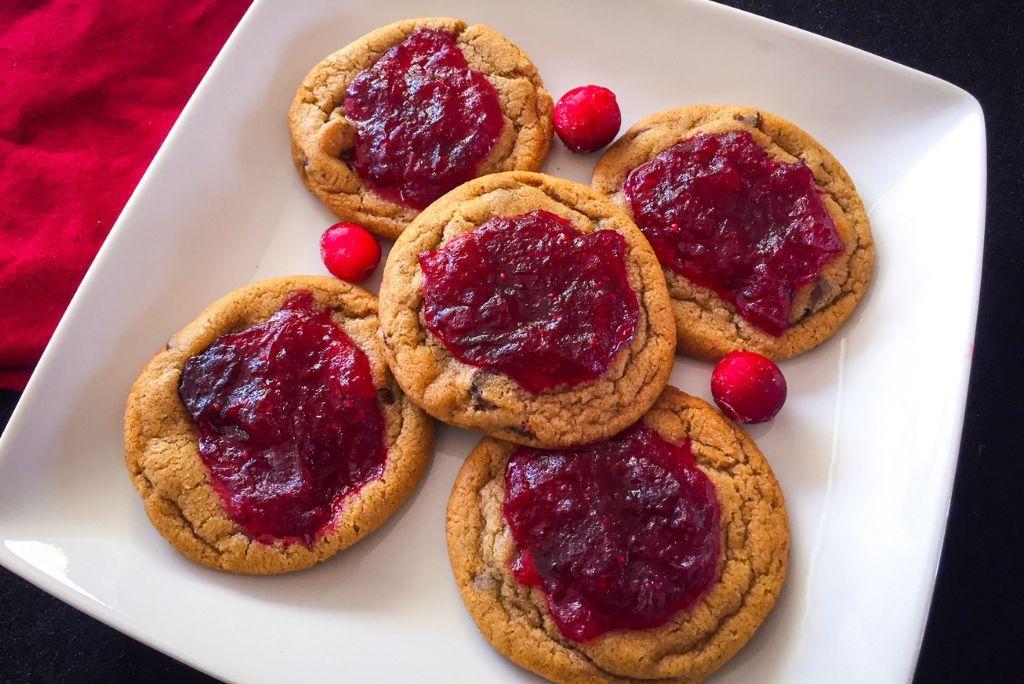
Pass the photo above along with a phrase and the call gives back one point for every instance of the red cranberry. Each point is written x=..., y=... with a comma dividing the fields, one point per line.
x=587, y=118
x=349, y=251
x=748, y=387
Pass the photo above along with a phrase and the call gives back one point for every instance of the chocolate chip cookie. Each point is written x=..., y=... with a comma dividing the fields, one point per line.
x=530, y=308
x=397, y=118
x=654, y=555
x=764, y=240
x=270, y=434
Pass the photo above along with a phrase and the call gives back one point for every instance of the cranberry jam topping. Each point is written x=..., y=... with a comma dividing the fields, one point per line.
x=288, y=421
x=424, y=120
x=720, y=211
x=622, y=534
x=531, y=297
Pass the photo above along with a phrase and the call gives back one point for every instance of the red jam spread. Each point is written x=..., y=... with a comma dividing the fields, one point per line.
x=622, y=534
x=288, y=421
x=531, y=297
x=720, y=211
x=424, y=120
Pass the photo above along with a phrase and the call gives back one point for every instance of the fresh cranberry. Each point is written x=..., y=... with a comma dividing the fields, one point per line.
x=719, y=210
x=288, y=421
x=424, y=120
x=533, y=298
x=587, y=118
x=349, y=251
x=621, y=534
x=748, y=387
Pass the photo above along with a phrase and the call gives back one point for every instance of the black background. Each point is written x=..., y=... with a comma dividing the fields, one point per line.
x=974, y=633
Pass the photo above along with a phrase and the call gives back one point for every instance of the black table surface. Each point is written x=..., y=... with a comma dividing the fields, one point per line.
x=973, y=632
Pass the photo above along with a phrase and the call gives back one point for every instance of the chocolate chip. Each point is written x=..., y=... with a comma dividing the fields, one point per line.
x=753, y=120
x=385, y=396
x=476, y=397
x=821, y=294
x=523, y=431
x=485, y=583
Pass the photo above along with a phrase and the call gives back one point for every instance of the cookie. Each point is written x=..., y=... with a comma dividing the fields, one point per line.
x=411, y=110
x=270, y=434
x=779, y=318
x=526, y=615
x=530, y=308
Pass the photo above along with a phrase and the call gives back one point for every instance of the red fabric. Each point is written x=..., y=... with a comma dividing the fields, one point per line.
x=88, y=91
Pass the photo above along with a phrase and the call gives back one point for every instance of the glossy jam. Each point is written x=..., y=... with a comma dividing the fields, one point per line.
x=288, y=421
x=531, y=297
x=425, y=121
x=622, y=534
x=720, y=211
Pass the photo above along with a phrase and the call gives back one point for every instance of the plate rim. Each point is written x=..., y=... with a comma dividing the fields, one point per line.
x=132, y=627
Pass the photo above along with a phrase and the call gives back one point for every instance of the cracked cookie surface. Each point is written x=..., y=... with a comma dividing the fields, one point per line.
x=708, y=326
x=322, y=136
x=161, y=441
x=752, y=567
x=474, y=398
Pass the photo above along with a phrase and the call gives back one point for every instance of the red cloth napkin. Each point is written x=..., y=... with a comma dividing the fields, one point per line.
x=88, y=91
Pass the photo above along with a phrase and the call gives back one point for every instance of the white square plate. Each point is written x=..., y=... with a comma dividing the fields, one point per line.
x=865, y=448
